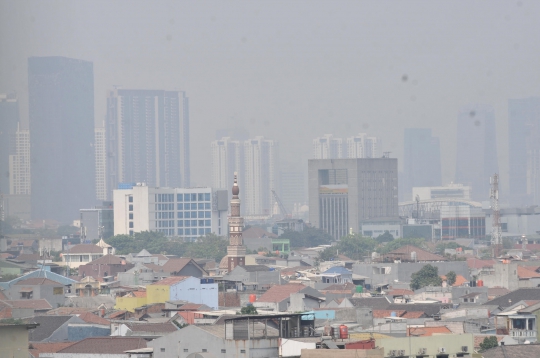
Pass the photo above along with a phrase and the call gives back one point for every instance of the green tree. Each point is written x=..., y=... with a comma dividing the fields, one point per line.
x=354, y=246
x=488, y=342
x=386, y=237
x=309, y=237
x=153, y=241
x=397, y=243
x=328, y=254
x=427, y=276
x=209, y=246
x=249, y=309
x=450, y=278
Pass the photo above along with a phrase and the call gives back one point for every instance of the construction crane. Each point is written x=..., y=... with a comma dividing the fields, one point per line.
x=280, y=204
x=496, y=235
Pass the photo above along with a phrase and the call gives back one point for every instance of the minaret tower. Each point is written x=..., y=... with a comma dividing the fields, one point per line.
x=236, y=251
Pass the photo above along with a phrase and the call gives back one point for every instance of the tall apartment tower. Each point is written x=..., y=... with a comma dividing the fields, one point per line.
x=328, y=147
x=9, y=121
x=147, y=138
x=236, y=251
x=345, y=193
x=422, y=160
x=61, y=117
x=101, y=163
x=476, y=159
x=19, y=164
x=524, y=151
x=362, y=146
x=227, y=159
x=260, y=175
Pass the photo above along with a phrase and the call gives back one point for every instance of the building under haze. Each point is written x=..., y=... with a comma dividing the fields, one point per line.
x=19, y=164
x=9, y=122
x=358, y=146
x=261, y=168
x=61, y=118
x=293, y=191
x=186, y=213
x=147, y=138
x=476, y=159
x=348, y=193
x=227, y=159
x=101, y=163
x=524, y=151
x=421, y=161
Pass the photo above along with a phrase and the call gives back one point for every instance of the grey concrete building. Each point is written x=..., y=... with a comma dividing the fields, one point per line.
x=37, y=288
x=345, y=193
x=98, y=222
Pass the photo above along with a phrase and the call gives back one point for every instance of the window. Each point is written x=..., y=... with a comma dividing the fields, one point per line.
x=207, y=214
x=180, y=207
x=207, y=196
x=58, y=290
x=201, y=231
x=193, y=206
x=130, y=216
x=242, y=351
x=193, y=197
x=180, y=223
x=200, y=206
x=131, y=224
x=180, y=197
x=187, y=223
x=204, y=350
x=207, y=223
x=193, y=223
x=185, y=350
x=162, y=349
x=180, y=215
x=186, y=197
x=207, y=206
x=201, y=214
x=187, y=214
x=201, y=197
x=207, y=230
x=193, y=231
x=130, y=199
x=130, y=232
x=180, y=231
x=201, y=222
x=223, y=351
x=130, y=207
x=186, y=206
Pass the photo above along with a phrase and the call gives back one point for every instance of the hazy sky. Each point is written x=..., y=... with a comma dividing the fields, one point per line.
x=293, y=70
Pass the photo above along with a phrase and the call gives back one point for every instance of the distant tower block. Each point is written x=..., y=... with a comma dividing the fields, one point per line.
x=496, y=236
x=236, y=251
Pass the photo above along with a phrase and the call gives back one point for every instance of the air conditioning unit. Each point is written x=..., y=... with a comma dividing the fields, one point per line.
x=401, y=353
x=422, y=351
x=464, y=349
x=392, y=353
x=442, y=350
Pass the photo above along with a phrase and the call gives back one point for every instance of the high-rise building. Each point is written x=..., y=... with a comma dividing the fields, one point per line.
x=348, y=193
x=362, y=146
x=9, y=120
x=328, y=147
x=524, y=151
x=260, y=175
x=148, y=138
x=293, y=190
x=422, y=160
x=61, y=117
x=188, y=213
x=101, y=163
x=476, y=159
x=227, y=159
x=19, y=164
x=236, y=251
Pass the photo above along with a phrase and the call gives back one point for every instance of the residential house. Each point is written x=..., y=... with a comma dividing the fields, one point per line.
x=108, y=265
x=142, y=329
x=410, y=253
x=14, y=340
x=35, y=349
x=37, y=288
x=522, y=294
x=51, y=328
x=510, y=275
x=139, y=275
x=36, y=306
x=440, y=345
x=337, y=274
x=111, y=347
x=278, y=298
x=82, y=254
x=251, y=277
x=178, y=267
x=513, y=351
x=189, y=289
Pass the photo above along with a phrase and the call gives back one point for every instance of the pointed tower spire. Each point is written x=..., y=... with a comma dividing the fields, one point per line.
x=236, y=251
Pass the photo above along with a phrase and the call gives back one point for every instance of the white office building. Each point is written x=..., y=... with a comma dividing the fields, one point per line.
x=260, y=175
x=227, y=158
x=19, y=164
x=328, y=147
x=101, y=163
x=358, y=146
x=182, y=212
x=362, y=146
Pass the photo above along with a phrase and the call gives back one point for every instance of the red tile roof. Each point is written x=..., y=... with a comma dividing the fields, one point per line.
x=105, y=345
x=116, y=314
x=399, y=292
x=63, y=311
x=107, y=260
x=387, y=313
x=170, y=280
x=414, y=314
x=85, y=249
x=40, y=304
x=421, y=255
x=92, y=318
x=280, y=292
x=460, y=280
x=139, y=293
x=190, y=307
x=34, y=281
x=475, y=263
x=427, y=331
x=174, y=265
x=525, y=273
x=36, y=348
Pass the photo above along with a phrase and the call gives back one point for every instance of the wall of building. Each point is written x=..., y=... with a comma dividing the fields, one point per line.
x=157, y=294
x=14, y=341
x=77, y=332
x=343, y=353
x=129, y=303
x=292, y=348
x=451, y=342
x=192, y=290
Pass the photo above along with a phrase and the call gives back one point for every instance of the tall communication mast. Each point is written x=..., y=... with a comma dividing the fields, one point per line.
x=496, y=236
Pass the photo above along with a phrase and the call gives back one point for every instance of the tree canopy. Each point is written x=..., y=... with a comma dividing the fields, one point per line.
x=249, y=309
x=308, y=238
x=427, y=276
x=397, y=243
x=489, y=342
x=386, y=237
x=451, y=278
x=354, y=246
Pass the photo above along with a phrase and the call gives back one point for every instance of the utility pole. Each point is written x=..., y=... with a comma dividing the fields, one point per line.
x=496, y=236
